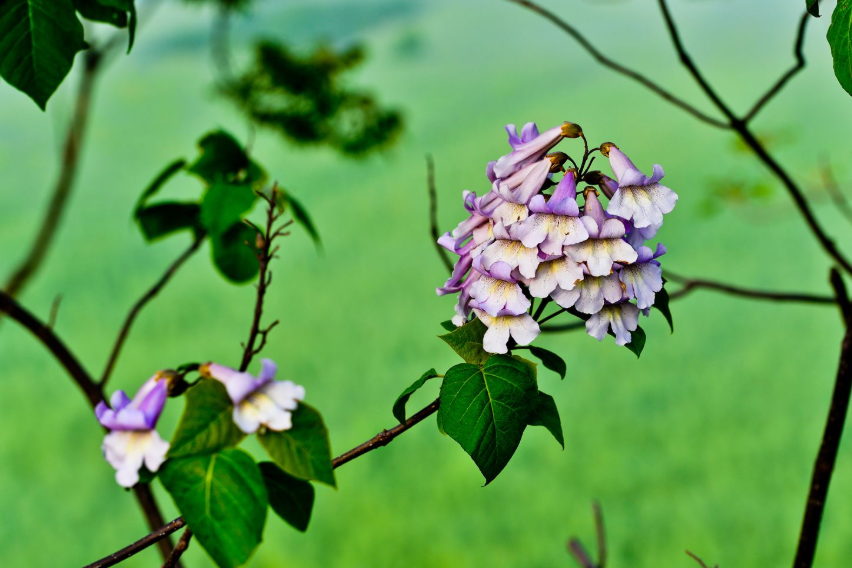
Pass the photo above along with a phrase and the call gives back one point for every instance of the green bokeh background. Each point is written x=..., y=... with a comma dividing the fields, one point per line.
x=706, y=443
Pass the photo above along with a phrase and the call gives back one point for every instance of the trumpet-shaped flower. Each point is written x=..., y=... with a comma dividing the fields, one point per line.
x=497, y=291
x=556, y=222
x=522, y=328
x=621, y=318
x=507, y=248
x=524, y=153
x=643, y=279
x=639, y=198
x=132, y=440
x=561, y=271
x=590, y=294
x=605, y=245
x=258, y=401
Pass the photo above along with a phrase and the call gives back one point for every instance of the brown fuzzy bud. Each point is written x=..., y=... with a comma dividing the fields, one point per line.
x=605, y=148
x=571, y=130
x=556, y=161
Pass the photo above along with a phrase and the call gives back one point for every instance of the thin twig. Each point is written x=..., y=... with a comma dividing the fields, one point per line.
x=433, y=213
x=579, y=552
x=698, y=559
x=137, y=307
x=383, y=438
x=179, y=549
x=827, y=455
x=617, y=67
x=798, y=53
x=833, y=188
x=54, y=311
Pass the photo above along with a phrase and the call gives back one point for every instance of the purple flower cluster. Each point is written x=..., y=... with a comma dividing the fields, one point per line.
x=522, y=241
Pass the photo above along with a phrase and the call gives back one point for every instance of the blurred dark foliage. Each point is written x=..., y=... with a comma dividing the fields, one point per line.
x=302, y=97
x=236, y=5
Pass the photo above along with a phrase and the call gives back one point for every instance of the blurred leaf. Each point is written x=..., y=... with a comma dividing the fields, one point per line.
x=485, y=409
x=303, y=451
x=223, y=499
x=812, y=6
x=292, y=499
x=300, y=215
x=302, y=98
x=97, y=12
x=661, y=302
x=448, y=325
x=234, y=253
x=130, y=7
x=546, y=414
x=637, y=341
x=207, y=424
x=402, y=399
x=163, y=219
x=467, y=341
x=224, y=205
x=158, y=182
x=223, y=159
x=38, y=41
x=550, y=360
x=840, y=40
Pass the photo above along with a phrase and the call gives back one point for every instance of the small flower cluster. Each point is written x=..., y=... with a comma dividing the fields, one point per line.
x=132, y=440
x=520, y=242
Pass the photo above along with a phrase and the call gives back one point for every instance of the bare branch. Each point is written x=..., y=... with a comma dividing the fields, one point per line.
x=617, y=67
x=833, y=188
x=142, y=302
x=698, y=559
x=798, y=53
x=827, y=455
x=140, y=545
x=54, y=311
x=579, y=552
x=179, y=549
x=433, y=213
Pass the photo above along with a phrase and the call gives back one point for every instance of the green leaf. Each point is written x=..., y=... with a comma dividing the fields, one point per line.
x=637, y=341
x=303, y=451
x=485, y=409
x=550, y=360
x=234, y=253
x=223, y=499
x=399, y=405
x=38, y=41
x=207, y=424
x=222, y=158
x=155, y=186
x=163, y=219
x=812, y=6
x=546, y=414
x=97, y=12
x=448, y=325
x=661, y=302
x=300, y=215
x=130, y=7
x=224, y=205
x=467, y=341
x=840, y=40
x=292, y=499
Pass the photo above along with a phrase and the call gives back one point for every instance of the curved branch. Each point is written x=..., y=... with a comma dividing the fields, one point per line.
x=433, y=213
x=137, y=307
x=798, y=53
x=139, y=545
x=617, y=67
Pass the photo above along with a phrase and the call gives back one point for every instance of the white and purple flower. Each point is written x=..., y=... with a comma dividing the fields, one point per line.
x=555, y=222
x=258, y=401
x=132, y=441
x=620, y=318
x=605, y=245
x=638, y=198
x=522, y=328
x=644, y=278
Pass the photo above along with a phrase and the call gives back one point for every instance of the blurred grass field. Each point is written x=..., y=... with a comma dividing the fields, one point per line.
x=705, y=443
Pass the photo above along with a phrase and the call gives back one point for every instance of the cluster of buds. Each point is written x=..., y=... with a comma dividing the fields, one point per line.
x=523, y=241
x=132, y=440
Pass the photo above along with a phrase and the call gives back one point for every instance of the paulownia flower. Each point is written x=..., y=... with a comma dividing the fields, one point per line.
x=528, y=151
x=590, y=294
x=132, y=440
x=621, y=318
x=639, y=198
x=643, y=279
x=497, y=291
x=605, y=244
x=258, y=401
x=556, y=222
x=507, y=248
x=552, y=272
x=522, y=328
x=516, y=191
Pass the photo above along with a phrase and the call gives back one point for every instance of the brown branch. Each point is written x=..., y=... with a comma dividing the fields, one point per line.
x=827, y=455
x=179, y=549
x=137, y=307
x=698, y=559
x=833, y=188
x=617, y=67
x=157, y=536
x=798, y=53
x=579, y=552
x=433, y=213
x=383, y=438
x=92, y=391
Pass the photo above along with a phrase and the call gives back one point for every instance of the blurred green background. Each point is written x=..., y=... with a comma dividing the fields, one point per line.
x=706, y=443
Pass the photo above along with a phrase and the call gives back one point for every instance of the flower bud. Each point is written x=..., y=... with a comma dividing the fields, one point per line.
x=594, y=177
x=556, y=160
x=605, y=148
x=571, y=130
